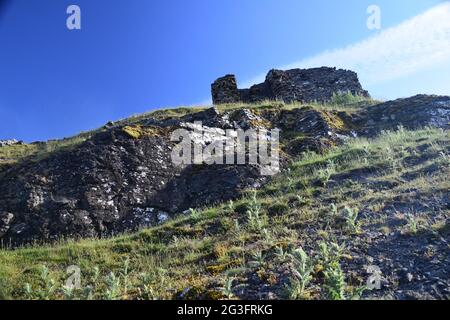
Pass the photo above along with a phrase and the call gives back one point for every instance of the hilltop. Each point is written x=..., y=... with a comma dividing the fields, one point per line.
x=363, y=194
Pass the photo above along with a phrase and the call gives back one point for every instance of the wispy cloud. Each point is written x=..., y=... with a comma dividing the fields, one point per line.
x=418, y=44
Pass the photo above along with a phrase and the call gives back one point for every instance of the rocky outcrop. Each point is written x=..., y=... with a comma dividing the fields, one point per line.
x=4, y=143
x=112, y=183
x=414, y=112
x=123, y=178
x=303, y=85
x=225, y=90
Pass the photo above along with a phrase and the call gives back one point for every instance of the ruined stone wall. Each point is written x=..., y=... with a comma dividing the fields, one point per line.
x=303, y=85
x=225, y=90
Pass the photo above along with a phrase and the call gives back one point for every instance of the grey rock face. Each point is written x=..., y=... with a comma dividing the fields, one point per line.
x=225, y=90
x=303, y=85
x=109, y=184
x=414, y=112
x=115, y=182
x=4, y=143
x=245, y=119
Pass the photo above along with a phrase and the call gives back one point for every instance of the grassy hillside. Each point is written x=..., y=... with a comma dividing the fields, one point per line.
x=36, y=151
x=309, y=234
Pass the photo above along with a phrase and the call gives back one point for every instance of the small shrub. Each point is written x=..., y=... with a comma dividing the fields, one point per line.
x=267, y=237
x=324, y=176
x=68, y=292
x=290, y=183
x=221, y=251
x=346, y=98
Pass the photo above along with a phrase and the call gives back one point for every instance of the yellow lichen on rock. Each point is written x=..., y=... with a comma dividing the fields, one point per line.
x=133, y=132
x=138, y=131
x=333, y=120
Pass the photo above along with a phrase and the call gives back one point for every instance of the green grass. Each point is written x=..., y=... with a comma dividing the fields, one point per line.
x=212, y=250
x=37, y=151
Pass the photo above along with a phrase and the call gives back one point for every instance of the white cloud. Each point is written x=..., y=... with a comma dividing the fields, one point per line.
x=416, y=45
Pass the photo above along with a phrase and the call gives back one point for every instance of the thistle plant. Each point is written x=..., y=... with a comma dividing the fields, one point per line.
x=350, y=217
x=145, y=288
x=113, y=286
x=303, y=268
x=258, y=259
x=268, y=237
x=48, y=285
x=330, y=255
x=331, y=216
x=125, y=275
x=255, y=220
x=324, y=175
x=290, y=185
x=95, y=274
x=227, y=288
x=88, y=292
x=335, y=282
x=28, y=291
x=281, y=254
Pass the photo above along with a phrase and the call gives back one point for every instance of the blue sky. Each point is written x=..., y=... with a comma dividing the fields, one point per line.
x=137, y=55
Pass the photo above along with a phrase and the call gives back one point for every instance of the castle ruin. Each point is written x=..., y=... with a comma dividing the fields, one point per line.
x=296, y=85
